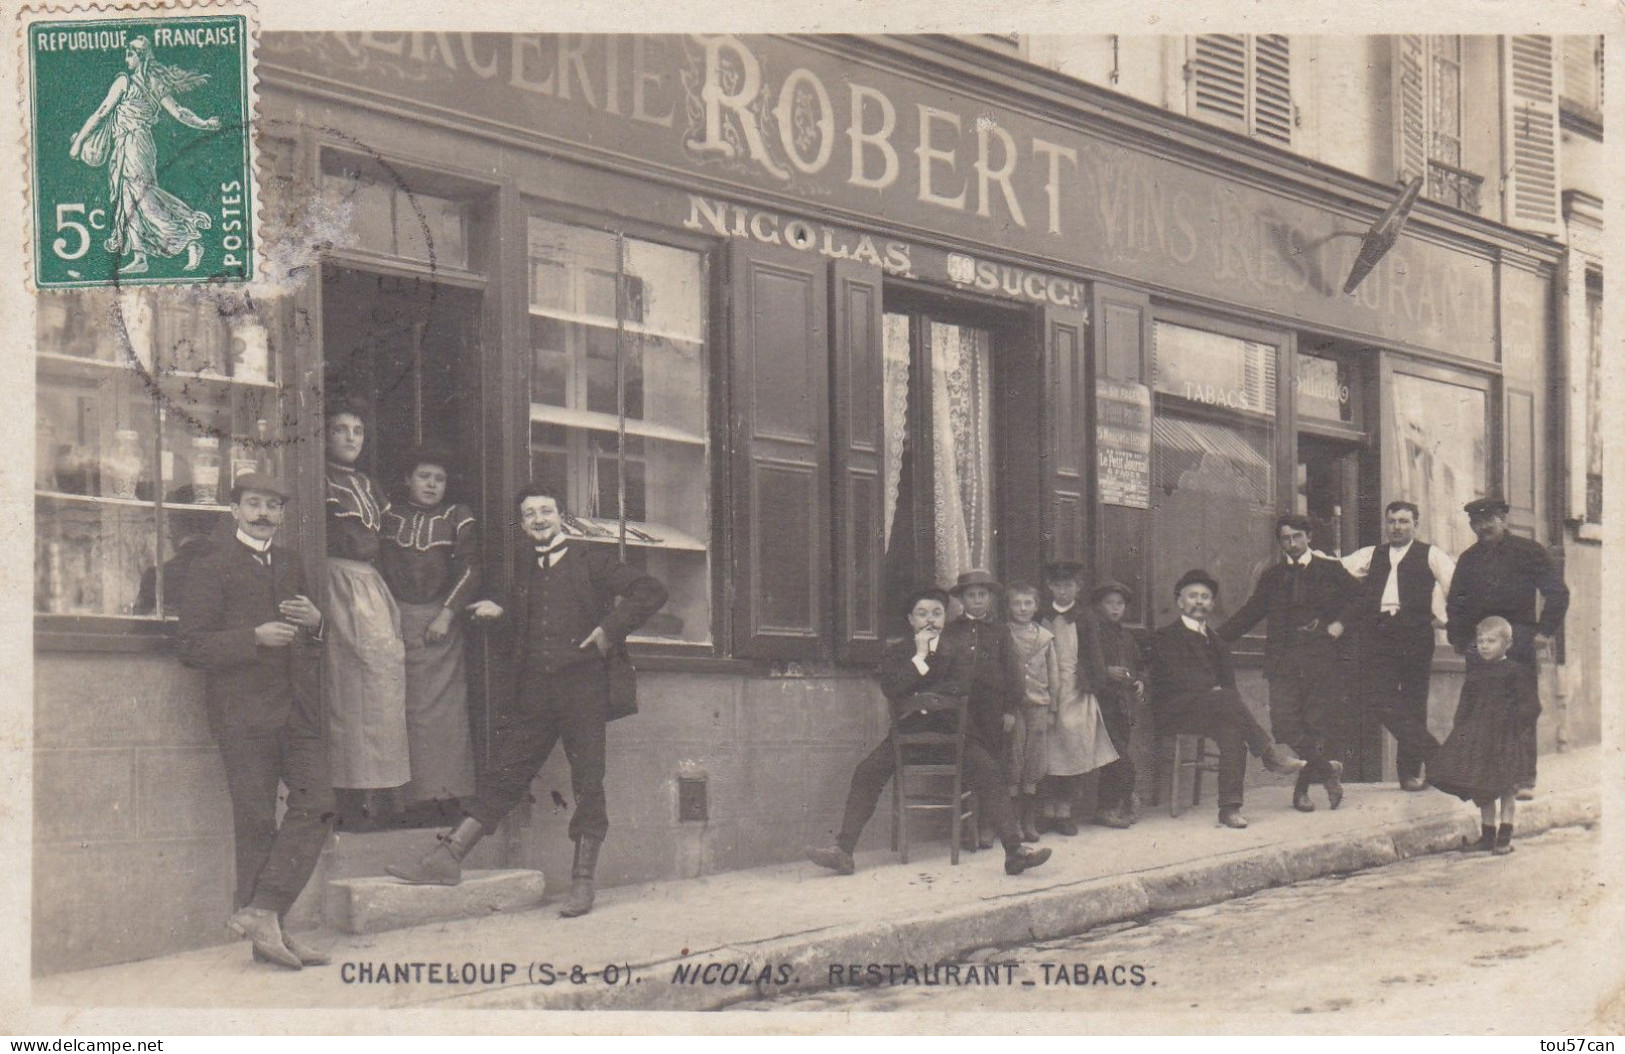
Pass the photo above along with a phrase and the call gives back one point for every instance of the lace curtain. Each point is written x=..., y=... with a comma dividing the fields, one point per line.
x=961, y=458
x=961, y=425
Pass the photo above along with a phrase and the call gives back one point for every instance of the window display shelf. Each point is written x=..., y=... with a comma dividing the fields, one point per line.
x=654, y=535
x=545, y=413
x=134, y=503
x=57, y=359
x=635, y=328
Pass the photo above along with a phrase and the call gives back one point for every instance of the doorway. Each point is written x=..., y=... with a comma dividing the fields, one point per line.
x=406, y=350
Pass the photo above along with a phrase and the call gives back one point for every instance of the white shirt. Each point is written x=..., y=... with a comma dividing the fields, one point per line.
x=1358, y=564
x=261, y=550
x=1059, y=610
x=1193, y=625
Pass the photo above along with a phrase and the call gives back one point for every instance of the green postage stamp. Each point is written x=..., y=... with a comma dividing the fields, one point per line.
x=140, y=138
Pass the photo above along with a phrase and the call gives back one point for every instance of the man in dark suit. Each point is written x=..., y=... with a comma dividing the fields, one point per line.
x=569, y=610
x=1193, y=690
x=247, y=621
x=1395, y=613
x=1501, y=574
x=1302, y=595
x=932, y=662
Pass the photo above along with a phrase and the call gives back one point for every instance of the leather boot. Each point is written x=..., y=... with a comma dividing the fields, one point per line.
x=1300, y=793
x=442, y=865
x=1503, y=840
x=264, y=930
x=1334, y=783
x=1485, y=843
x=581, y=872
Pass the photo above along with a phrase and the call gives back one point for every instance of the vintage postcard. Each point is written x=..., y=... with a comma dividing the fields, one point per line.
x=1081, y=520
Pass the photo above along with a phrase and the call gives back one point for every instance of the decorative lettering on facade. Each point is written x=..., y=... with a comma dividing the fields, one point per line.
x=770, y=228
x=1018, y=283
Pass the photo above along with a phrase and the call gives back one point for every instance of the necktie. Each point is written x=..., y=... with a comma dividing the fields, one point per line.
x=548, y=555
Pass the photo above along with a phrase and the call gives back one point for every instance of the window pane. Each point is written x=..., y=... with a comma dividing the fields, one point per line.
x=1440, y=431
x=659, y=323
x=1213, y=369
x=1213, y=505
x=962, y=448
x=1324, y=389
x=90, y=557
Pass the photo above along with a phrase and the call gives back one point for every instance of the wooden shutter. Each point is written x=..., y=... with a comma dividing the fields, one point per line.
x=1582, y=71
x=1219, y=79
x=1530, y=87
x=858, y=423
x=779, y=439
x=1410, y=108
x=1272, y=89
x=1120, y=335
x=1068, y=420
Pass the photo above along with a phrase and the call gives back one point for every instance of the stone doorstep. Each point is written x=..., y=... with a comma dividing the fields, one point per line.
x=373, y=905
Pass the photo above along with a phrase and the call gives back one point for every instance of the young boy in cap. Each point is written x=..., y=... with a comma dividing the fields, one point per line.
x=1122, y=688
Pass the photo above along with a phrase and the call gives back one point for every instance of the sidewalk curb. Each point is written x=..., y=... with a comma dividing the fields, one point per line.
x=1043, y=914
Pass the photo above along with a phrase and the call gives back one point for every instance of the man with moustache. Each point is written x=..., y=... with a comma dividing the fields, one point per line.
x=247, y=621
x=933, y=662
x=1501, y=575
x=1193, y=692
x=569, y=610
x=1396, y=611
x=1302, y=595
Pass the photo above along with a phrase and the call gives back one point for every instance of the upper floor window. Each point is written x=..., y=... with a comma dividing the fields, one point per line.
x=1243, y=82
x=1428, y=98
x=1582, y=74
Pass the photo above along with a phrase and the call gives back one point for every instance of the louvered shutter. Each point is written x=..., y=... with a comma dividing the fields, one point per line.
x=1530, y=125
x=856, y=396
x=1219, y=80
x=1582, y=72
x=1272, y=89
x=1410, y=108
x=779, y=473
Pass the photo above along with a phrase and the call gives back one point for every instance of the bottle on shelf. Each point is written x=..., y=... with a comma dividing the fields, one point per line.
x=206, y=470
x=123, y=466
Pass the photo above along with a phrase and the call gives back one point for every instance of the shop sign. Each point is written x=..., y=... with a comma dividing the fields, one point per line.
x=999, y=279
x=1321, y=390
x=800, y=116
x=1123, y=443
x=714, y=216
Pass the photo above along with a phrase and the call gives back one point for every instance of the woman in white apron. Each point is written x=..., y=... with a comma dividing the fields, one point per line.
x=364, y=658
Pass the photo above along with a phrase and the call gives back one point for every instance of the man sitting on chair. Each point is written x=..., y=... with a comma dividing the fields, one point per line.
x=1193, y=690
x=929, y=664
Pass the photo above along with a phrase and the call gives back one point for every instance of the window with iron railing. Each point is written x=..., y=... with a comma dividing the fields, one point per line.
x=1428, y=120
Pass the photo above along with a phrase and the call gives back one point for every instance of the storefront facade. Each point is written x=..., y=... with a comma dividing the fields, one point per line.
x=818, y=319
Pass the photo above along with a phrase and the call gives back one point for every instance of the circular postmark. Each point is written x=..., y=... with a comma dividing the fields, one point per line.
x=302, y=225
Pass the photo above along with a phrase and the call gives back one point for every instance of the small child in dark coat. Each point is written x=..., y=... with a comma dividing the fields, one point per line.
x=1481, y=761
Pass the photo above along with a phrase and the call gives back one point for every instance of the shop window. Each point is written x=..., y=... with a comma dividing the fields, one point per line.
x=1243, y=82
x=149, y=403
x=1213, y=488
x=389, y=219
x=1428, y=119
x=617, y=347
x=1440, y=436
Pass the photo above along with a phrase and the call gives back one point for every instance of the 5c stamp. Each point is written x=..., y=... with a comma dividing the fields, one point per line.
x=140, y=139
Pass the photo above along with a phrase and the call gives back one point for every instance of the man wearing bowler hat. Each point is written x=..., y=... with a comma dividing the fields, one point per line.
x=1193, y=691
x=1501, y=574
x=247, y=621
x=1301, y=595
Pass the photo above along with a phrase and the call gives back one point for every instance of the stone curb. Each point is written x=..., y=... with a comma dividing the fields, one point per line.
x=1045, y=914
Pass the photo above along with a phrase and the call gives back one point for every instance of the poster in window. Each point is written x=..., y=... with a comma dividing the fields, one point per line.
x=1123, y=443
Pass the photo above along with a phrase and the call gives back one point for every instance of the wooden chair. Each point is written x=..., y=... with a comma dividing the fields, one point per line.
x=1198, y=754
x=931, y=756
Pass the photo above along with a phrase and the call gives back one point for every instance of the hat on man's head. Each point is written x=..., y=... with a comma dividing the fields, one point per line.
x=977, y=577
x=1111, y=586
x=263, y=482
x=1487, y=506
x=1196, y=576
x=1063, y=571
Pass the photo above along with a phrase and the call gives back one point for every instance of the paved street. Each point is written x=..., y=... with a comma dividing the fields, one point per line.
x=1451, y=942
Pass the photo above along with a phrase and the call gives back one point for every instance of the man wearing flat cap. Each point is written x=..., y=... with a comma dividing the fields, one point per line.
x=1301, y=595
x=1501, y=574
x=1193, y=691
x=246, y=621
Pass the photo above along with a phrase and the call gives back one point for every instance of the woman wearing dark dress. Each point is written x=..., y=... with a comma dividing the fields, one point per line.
x=1482, y=760
x=429, y=559
x=365, y=666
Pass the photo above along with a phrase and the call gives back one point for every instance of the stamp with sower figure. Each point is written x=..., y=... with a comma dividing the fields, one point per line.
x=140, y=138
